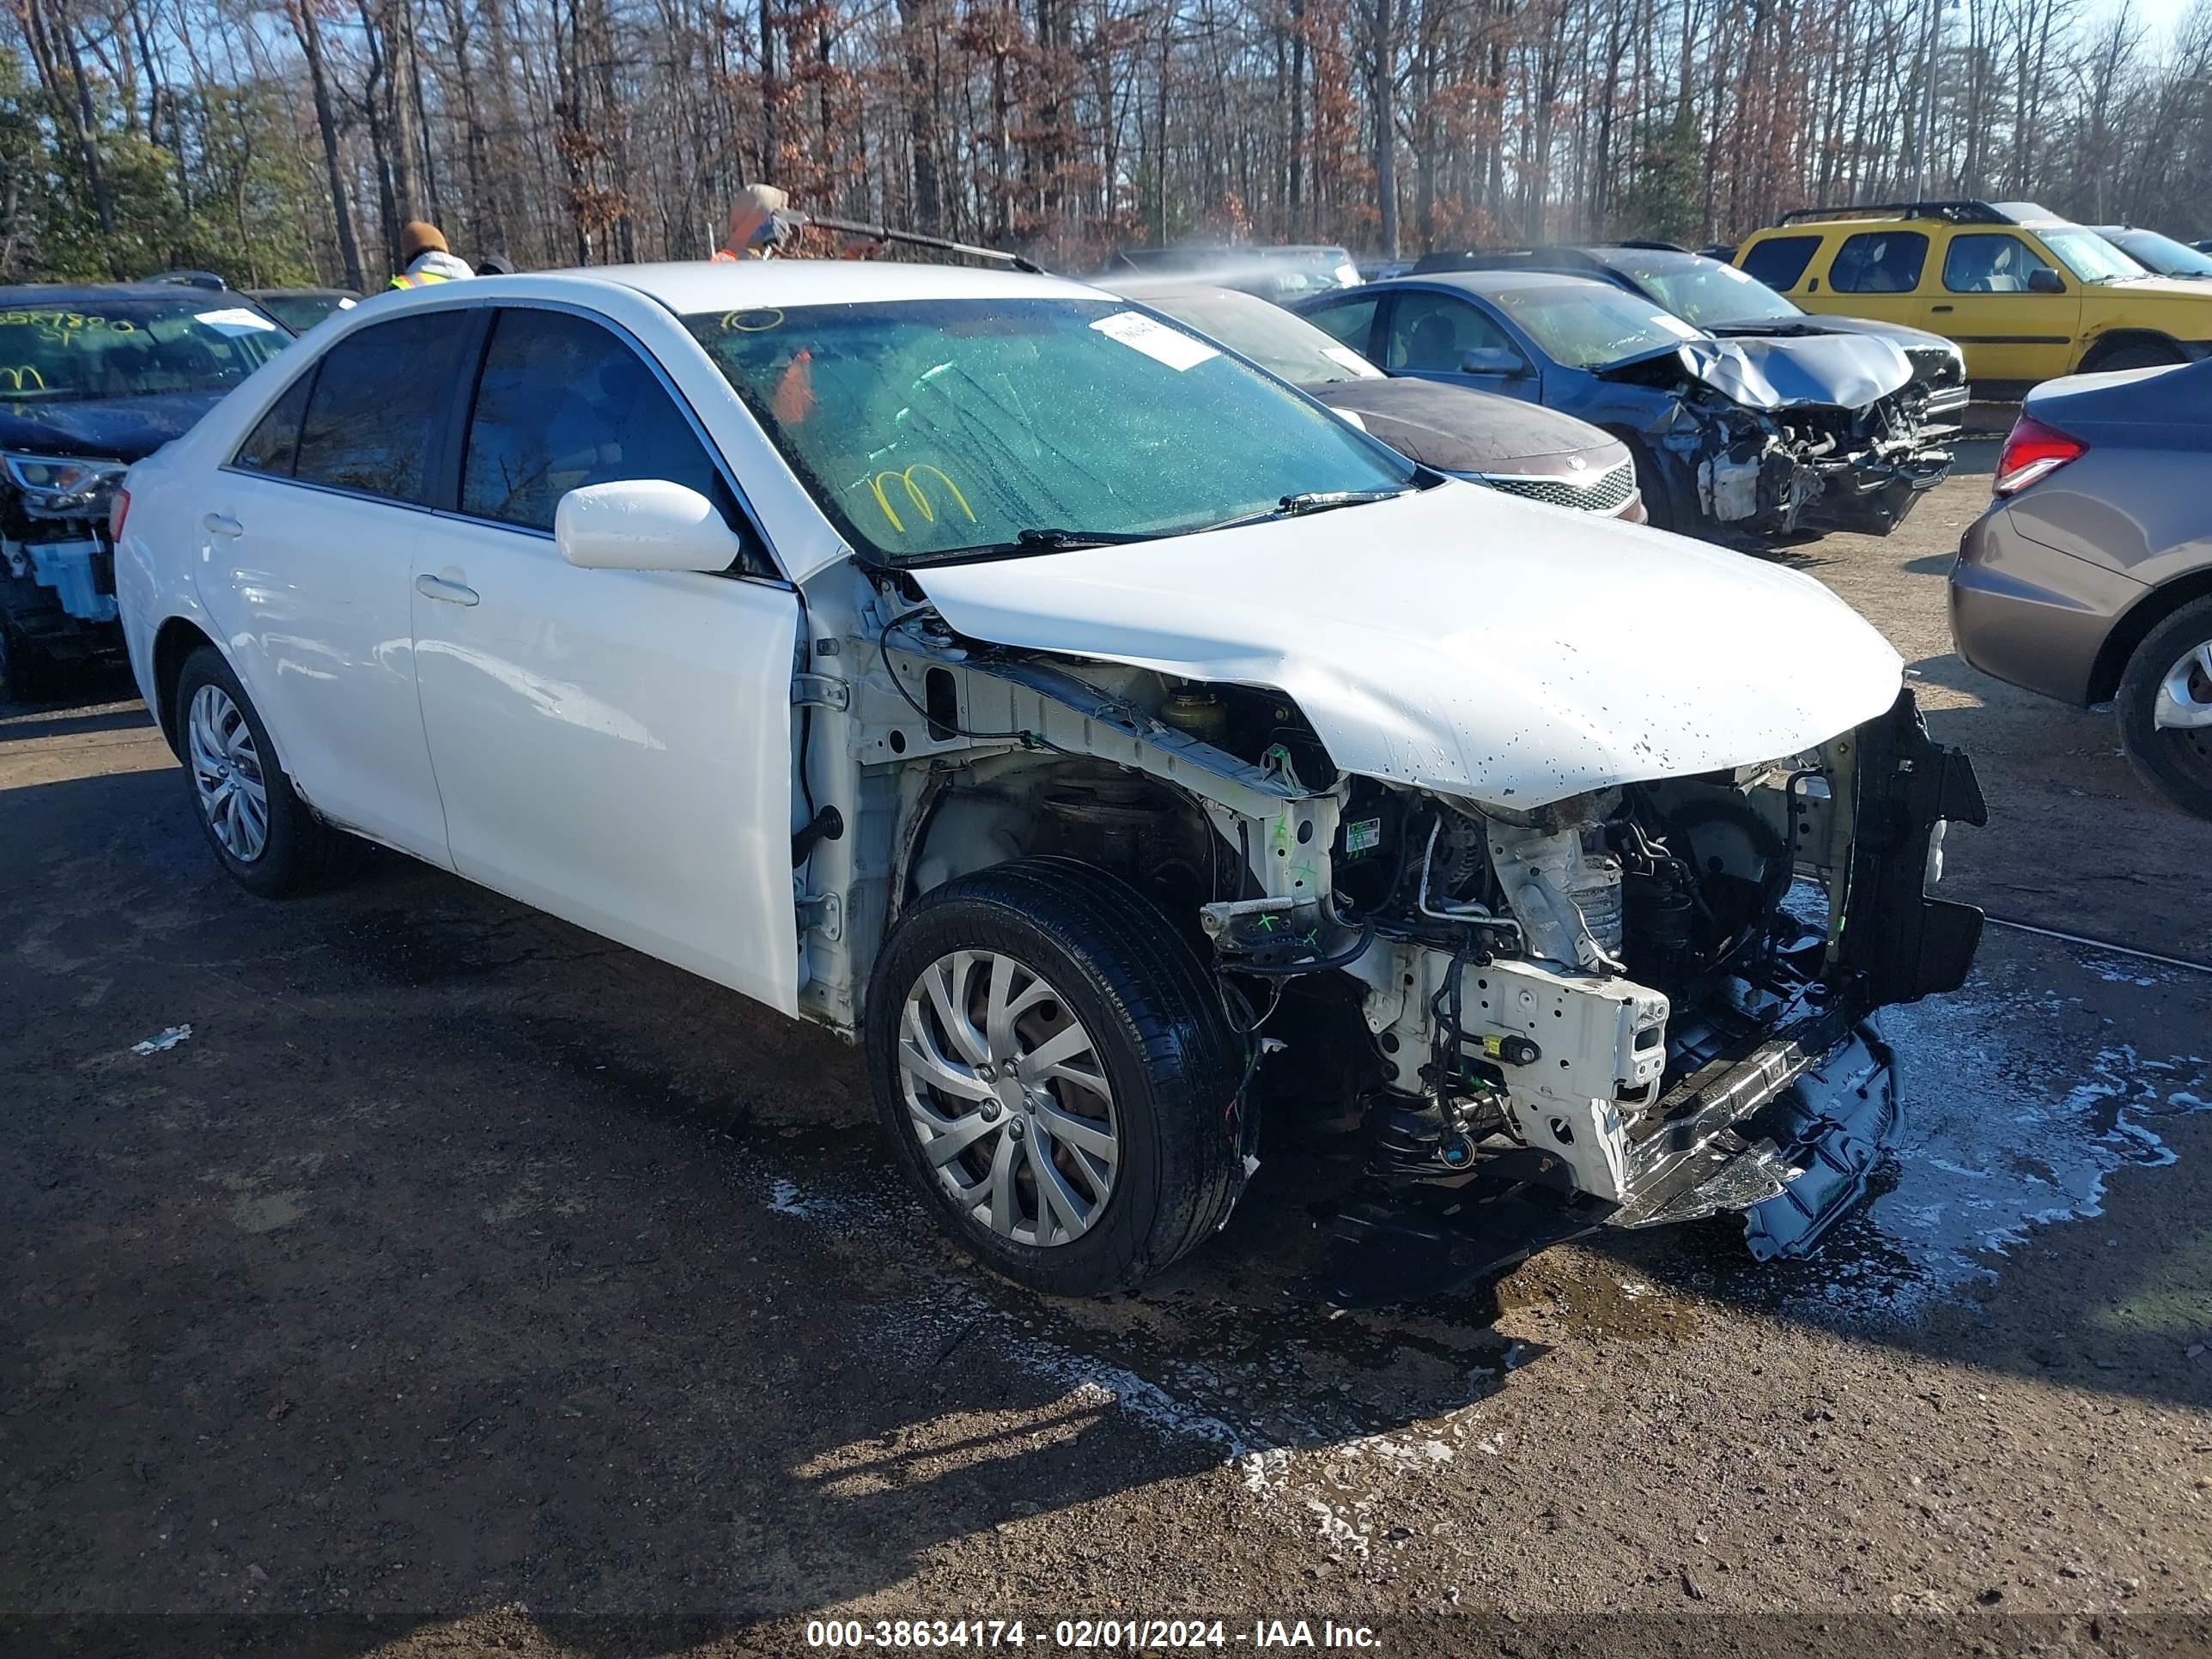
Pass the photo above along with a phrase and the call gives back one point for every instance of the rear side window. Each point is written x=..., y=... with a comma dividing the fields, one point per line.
x=563, y=404
x=380, y=399
x=1779, y=261
x=1879, y=261
x=1351, y=323
x=272, y=445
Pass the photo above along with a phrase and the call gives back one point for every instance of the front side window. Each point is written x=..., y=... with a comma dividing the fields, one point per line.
x=1879, y=261
x=379, y=400
x=128, y=347
x=935, y=428
x=1779, y=261
x=563, y=403
x=1992, y=263
x=1589, y=325
x=1432, y=333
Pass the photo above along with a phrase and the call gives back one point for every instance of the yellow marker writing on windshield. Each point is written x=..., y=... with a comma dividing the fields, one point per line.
x=26, y=378
x=914, y=494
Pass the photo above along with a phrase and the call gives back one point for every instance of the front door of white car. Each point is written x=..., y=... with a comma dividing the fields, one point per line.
x=307, y=546
x=613, y=746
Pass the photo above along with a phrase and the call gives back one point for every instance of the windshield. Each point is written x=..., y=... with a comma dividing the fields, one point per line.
x=131, y=348
x=2162, y=255
x=1703, y=291
x=929, y=428
x=1586, y=325
x=1271, y=337
x=2089, y=256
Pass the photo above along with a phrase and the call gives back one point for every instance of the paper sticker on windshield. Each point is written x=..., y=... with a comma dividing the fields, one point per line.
x=1156, y=340
x=236, y=321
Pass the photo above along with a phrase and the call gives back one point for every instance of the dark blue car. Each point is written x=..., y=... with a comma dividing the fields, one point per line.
x=1757, y=439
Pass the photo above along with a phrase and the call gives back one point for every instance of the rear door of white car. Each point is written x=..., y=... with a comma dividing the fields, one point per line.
x=308, y=549
x=613, y=746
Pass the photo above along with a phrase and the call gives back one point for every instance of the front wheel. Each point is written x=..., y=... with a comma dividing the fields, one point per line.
x=2165, y=708
x=1054, y=1072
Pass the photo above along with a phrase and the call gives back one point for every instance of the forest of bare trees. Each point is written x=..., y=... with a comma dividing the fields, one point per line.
x=284, y=140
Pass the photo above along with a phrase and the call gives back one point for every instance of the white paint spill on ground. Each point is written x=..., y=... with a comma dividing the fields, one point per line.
x=162, y=1041
x=2004, y=1130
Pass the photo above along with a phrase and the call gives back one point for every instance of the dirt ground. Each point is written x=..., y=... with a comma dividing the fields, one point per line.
x=465, y=1284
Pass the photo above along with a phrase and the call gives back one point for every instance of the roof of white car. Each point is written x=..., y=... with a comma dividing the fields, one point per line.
x=701, y=285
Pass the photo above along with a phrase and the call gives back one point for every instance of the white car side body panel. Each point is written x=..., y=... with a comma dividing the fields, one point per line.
x=615, y=747
x=311, y=603
x=1464, y=640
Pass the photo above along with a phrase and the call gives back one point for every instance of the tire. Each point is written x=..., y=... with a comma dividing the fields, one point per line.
x=1084, y=953
x=1662, y=510
x=2175, y=759
x=2143, y=355
x=294, y=852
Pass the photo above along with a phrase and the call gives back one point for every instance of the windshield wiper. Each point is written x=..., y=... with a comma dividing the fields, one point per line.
x=1053, y=541
x=1321, y=500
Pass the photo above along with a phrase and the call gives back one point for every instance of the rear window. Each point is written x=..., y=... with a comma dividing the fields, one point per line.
x=1879, y=261
x=1779, y=261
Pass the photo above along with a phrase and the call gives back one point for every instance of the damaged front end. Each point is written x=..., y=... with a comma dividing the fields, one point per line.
x=1774, y=437
x=1640, y=1005
x=57, y=562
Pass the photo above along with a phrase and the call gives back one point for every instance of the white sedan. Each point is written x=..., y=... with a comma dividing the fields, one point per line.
x=1063, y=707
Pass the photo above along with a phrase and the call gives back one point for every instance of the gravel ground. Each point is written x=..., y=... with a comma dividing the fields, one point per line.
x=463, y=1283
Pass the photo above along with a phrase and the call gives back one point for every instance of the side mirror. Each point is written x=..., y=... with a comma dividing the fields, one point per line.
x=644, y=524
x=1494, y=360
x=1349, y=417
x=2044, y=280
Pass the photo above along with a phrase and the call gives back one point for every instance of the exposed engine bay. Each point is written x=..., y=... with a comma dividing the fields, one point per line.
x=1640, y=1004
x=56, y=563
x=1767, y=453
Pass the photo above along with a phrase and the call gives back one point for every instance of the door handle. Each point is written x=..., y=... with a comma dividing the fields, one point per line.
x=437, y=588
x=1939, y=308
x=218, y=524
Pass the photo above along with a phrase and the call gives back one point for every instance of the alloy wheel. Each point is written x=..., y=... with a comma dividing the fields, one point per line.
x=227, y=773
x=1008, y=1098
x=2185, y=693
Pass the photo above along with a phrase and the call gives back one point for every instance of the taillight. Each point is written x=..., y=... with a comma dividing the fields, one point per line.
x=2033, y=451
x=117, y=510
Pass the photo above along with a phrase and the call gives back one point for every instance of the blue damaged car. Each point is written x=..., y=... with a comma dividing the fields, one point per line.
x=1754, y=440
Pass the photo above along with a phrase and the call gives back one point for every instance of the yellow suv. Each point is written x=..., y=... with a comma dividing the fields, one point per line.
x=2028, y=294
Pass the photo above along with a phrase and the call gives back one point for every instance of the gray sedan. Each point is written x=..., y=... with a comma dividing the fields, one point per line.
x=2089, y=578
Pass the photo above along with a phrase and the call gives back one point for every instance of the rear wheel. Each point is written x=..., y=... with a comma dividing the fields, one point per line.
x=1052, y=1068
x=261, y=831
x=2165, y=708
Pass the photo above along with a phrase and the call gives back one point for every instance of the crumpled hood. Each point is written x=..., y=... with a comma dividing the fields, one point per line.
x=110, y=428
x=1847, y=370
x=1457, y=429
x=1465, y=642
